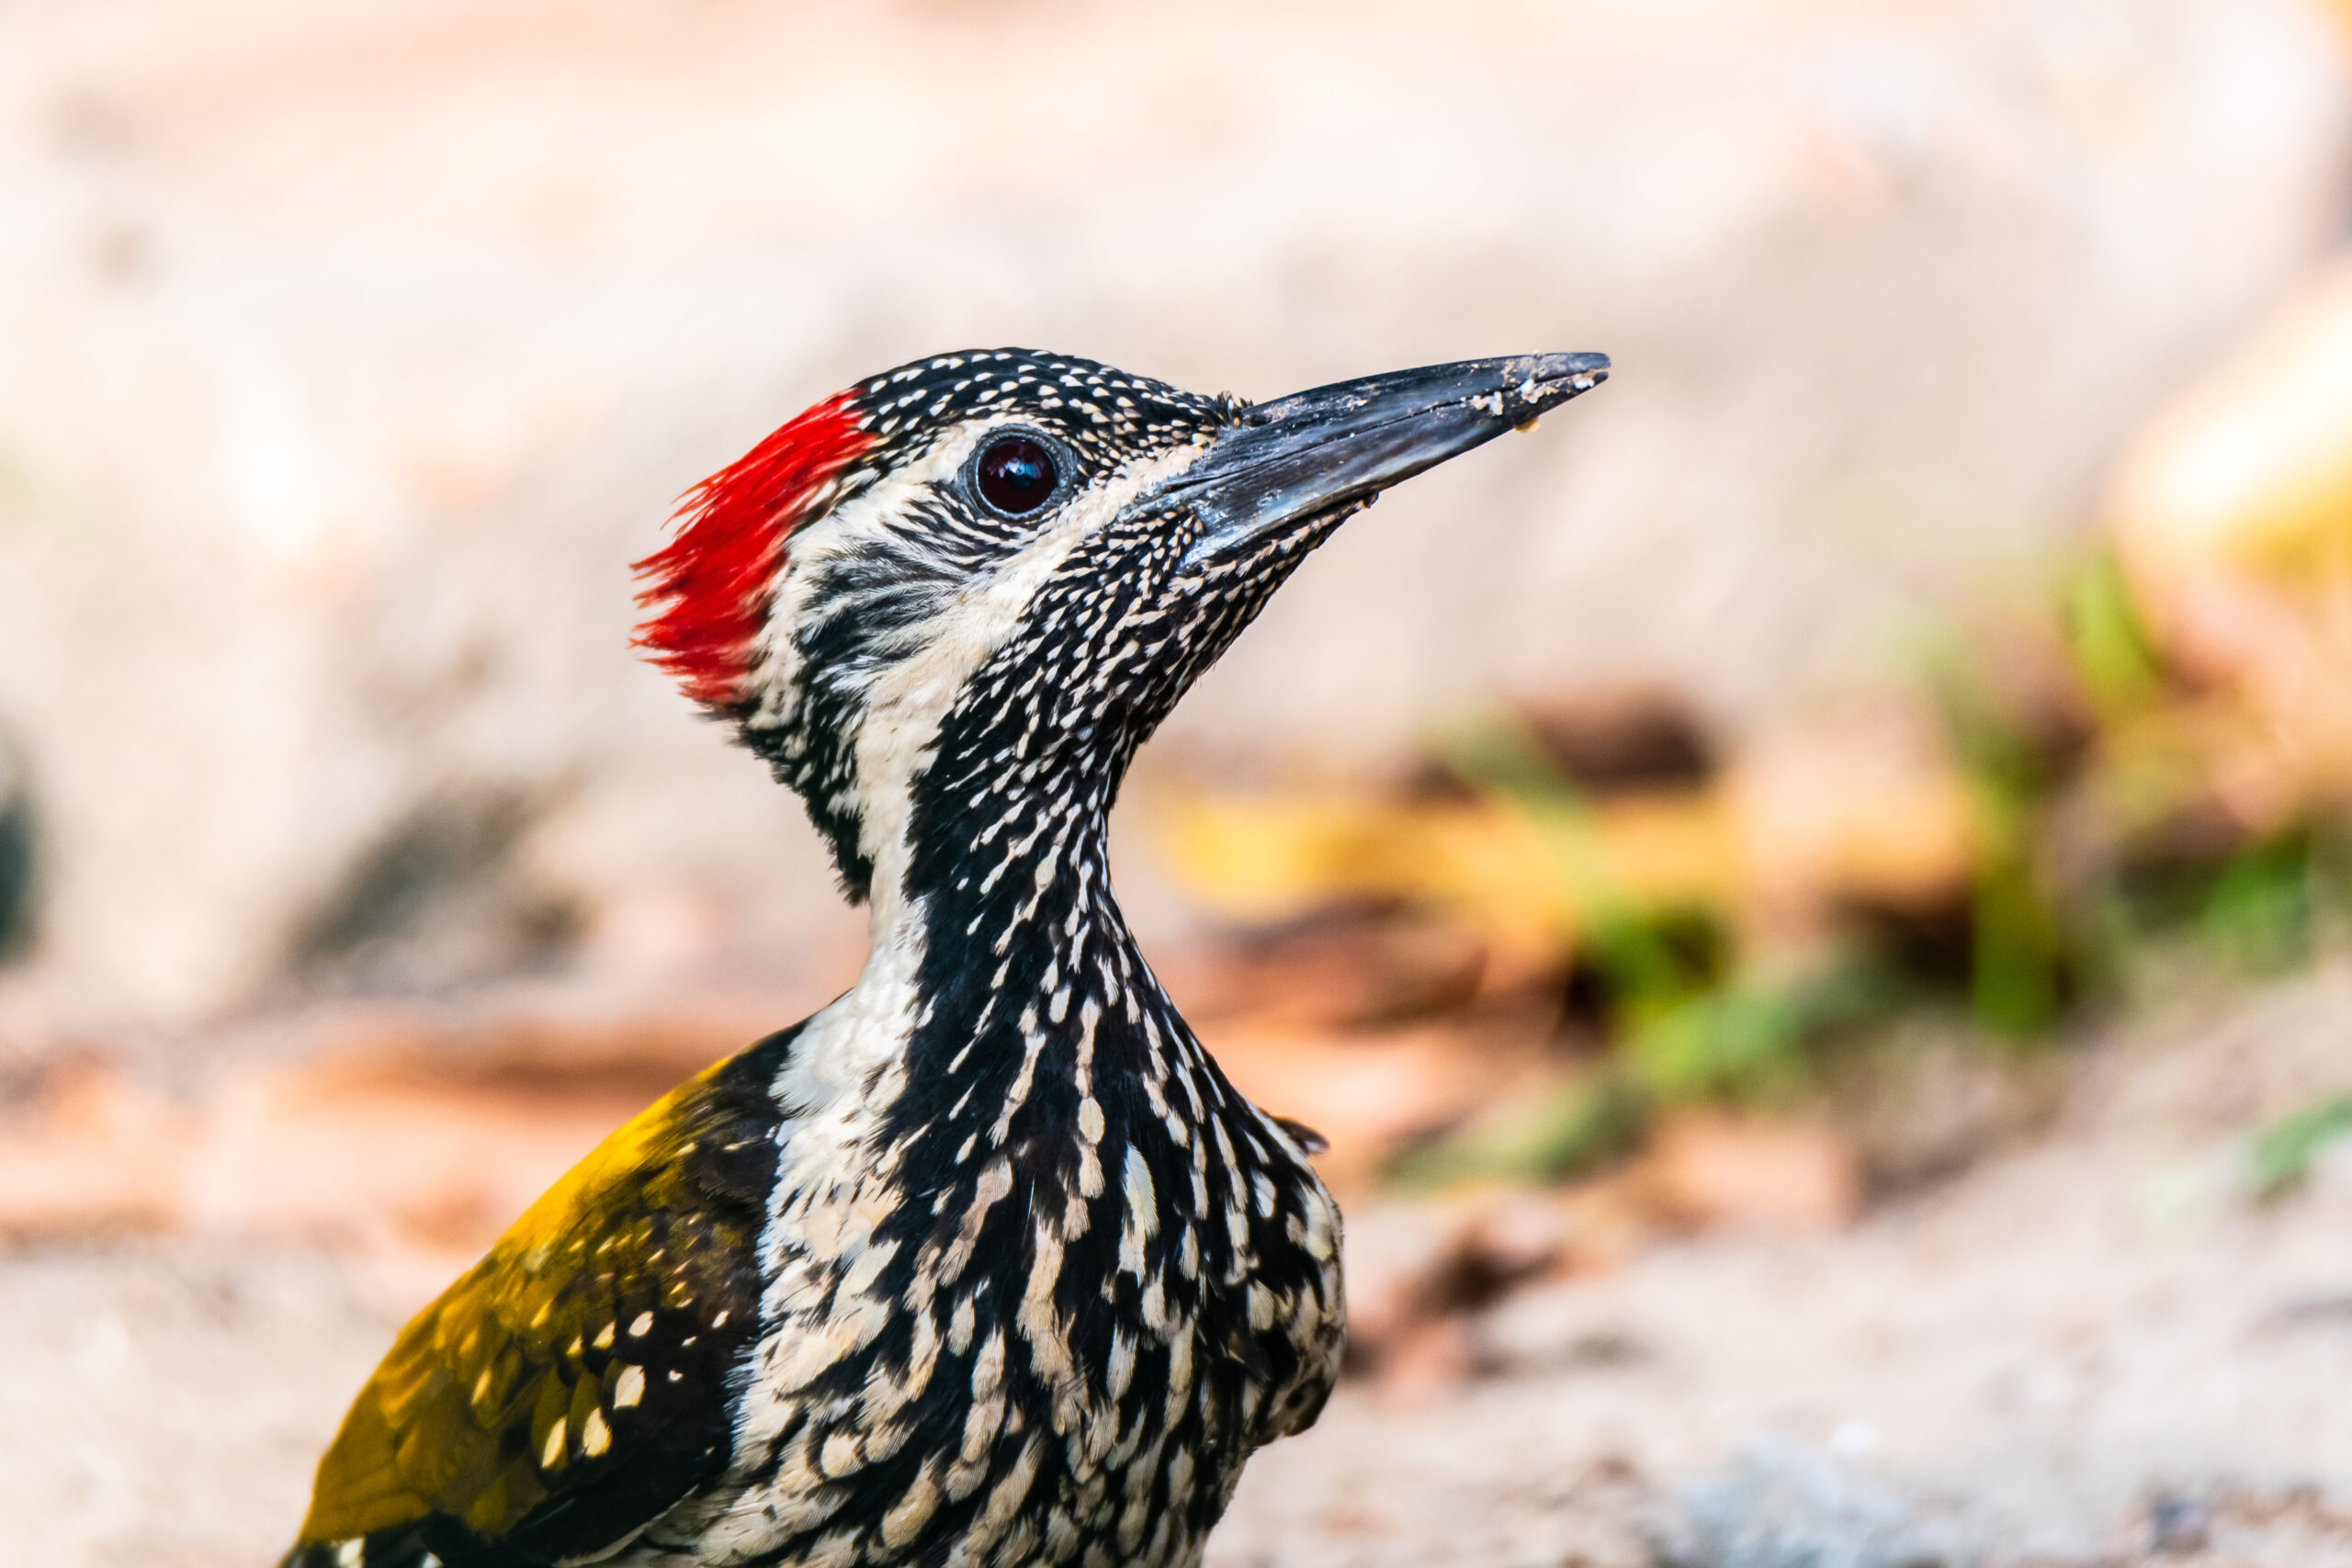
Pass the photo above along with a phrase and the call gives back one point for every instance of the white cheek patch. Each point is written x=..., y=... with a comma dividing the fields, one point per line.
x=907, y=696
x=776, y=663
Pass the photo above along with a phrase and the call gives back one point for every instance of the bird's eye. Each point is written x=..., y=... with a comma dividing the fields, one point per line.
x=1015, y=475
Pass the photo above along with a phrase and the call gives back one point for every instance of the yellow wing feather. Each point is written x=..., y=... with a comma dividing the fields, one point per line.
x=573, y=1346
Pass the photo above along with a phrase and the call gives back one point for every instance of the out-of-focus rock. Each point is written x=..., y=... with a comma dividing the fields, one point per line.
x=1781, y=1504
x=20, y=853
x=352, y=350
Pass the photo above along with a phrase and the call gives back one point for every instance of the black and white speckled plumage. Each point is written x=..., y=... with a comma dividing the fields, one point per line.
x=1097, y=1278
x=1030, y=1280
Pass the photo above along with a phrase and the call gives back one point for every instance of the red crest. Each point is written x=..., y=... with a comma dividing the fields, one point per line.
x=712, y=586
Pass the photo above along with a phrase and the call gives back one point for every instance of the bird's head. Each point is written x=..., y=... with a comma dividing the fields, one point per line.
x=984, y=577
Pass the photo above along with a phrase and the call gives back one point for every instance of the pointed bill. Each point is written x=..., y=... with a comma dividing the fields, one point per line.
x=1312, y=451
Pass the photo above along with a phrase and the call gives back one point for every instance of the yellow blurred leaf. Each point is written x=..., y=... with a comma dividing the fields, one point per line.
x=1524, y=878
x=2232, y=514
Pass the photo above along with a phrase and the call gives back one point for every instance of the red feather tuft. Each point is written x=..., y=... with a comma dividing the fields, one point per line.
x=714, y=580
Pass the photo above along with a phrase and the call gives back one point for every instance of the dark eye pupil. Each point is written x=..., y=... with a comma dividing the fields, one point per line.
x=1016, y=475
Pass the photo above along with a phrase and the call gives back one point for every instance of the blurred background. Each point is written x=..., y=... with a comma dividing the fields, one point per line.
x=1813, y=899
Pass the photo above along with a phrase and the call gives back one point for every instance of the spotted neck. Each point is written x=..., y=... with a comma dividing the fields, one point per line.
x=1035, y=1020
x=1033, y=1227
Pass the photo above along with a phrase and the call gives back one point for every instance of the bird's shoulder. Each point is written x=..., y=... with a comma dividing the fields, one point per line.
x=573, y=1385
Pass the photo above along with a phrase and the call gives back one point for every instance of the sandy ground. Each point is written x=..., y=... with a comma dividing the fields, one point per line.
x=2096, y=1349
x=2016, y=1368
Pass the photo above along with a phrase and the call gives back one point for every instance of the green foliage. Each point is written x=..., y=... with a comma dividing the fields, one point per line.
x=1650, y=961
x=1740, y=1042
x=1686, y=1021
x=1579, y=1126
x=2114, y=657
x=2259, y=915
x=1746, y=1041
x=2284, y=1151
x=2018, y=950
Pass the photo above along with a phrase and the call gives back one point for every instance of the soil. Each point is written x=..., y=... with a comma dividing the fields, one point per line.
x=2095, y=1349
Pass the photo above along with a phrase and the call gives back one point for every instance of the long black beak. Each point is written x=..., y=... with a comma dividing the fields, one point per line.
x=1316, y=451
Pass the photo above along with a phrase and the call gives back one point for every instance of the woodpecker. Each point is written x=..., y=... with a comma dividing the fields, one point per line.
x=986, y=1264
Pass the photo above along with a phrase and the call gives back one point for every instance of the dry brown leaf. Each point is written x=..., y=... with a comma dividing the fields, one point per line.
x=1711, y=1168
x=1366, y=1093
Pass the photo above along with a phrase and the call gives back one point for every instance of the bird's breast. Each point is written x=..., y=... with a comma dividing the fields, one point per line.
x=1012, y=1363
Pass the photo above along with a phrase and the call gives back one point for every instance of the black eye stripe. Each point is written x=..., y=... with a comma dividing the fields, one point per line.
x=1015, y=473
